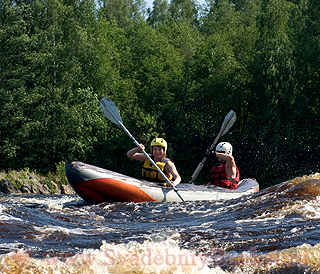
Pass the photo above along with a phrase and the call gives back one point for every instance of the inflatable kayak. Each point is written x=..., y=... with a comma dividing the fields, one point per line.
x=97, y=185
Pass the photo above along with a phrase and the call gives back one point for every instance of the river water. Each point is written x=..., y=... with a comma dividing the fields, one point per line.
x=274, y=231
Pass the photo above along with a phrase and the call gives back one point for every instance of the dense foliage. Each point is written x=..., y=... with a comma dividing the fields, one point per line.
x=173, y=71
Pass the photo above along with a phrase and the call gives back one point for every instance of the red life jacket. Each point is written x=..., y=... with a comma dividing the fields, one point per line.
x=220, y=178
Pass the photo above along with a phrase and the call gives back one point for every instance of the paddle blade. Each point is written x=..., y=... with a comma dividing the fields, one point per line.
x=110, y=110
x=228, y=122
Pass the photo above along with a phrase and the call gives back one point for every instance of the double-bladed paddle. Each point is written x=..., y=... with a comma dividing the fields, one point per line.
x=227, y=124
x=109, y=110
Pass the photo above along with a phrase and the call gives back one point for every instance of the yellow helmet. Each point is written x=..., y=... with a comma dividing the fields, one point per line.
x=159, y=142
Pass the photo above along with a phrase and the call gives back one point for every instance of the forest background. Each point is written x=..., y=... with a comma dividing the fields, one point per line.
x=173, y=71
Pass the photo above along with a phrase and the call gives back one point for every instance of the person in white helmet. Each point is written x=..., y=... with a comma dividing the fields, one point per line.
x=225, y=173
x=158, y=155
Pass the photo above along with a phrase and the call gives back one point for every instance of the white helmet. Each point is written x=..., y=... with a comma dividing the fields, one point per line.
x=224, y=147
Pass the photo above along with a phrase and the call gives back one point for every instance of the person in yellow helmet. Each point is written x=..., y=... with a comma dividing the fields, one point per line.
x=158, y=155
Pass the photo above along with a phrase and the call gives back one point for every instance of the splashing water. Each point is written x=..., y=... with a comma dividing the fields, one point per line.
x=273, y=231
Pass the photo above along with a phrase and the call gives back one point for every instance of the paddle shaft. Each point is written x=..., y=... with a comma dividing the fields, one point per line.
x=228, y=122
x=145, y=153
x=200, y=166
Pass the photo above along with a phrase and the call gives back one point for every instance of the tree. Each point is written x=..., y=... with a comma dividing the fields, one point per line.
x=184, y=10
x=44, y=85
x=159, y=13
x=16, y=52
x=275, y=89
x=122, y=12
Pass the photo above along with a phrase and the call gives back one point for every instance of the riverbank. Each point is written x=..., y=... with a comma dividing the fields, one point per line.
x=26, y=182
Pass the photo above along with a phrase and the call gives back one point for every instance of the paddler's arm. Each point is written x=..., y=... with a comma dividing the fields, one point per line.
x=231, y=169
x=135, y=153
x=171, y=168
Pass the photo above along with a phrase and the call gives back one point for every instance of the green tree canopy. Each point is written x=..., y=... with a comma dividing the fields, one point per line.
x=173, y=72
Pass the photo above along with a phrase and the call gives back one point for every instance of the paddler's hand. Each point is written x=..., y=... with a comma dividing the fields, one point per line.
x=135, y=153
x=140, y=147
